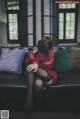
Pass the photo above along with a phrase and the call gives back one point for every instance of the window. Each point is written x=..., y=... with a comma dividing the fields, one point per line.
x=49, y=19
x=13, y=27
x=12, y=16
x=31, y=22
x=67, y=23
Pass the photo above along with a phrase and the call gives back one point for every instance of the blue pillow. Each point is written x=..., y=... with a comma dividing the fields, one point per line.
x=11, y=60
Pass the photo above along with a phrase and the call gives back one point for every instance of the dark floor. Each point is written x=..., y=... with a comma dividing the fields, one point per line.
x=44, y=115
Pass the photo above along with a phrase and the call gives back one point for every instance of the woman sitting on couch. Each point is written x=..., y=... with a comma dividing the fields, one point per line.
x=39, y=69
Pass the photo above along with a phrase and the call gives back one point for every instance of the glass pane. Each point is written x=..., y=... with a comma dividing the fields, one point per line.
x=60, y=35
x=13, y=5
x=11, y=36
x=68, y=24
x=30, y=40
x=61, y=25
x=72, y=16
x=63, y=6
x=67, y=6
x=30, y=24
x=67, y=34
x=73, y=5
x=68, y=16
x=10, y=17
x=72, y=35
x=47, y=24
x=15, y=36
x=13, y=26
x=15, y=18
x=30, y=7
x=61, y=17
x=72, y=25
x=47, y=7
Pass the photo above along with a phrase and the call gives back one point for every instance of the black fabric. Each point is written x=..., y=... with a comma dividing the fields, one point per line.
x=69, y=79
x=12, y=80
x=42, y=48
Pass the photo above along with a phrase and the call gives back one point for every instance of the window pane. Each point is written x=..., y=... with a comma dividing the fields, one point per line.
x=73, y=5
x=67, y=34
x=61, y=17
x=68, y=24
x=30, y=24
x=13, y=5
x=60, y=35
x=67, y=6
x=30, y=7
x=72, y=25
x=13, y=27
x=61, y=26
x=72, y=16
x=47, y=24
x=63, y=6
x=68, y=16
x=72, y=35
x=47, y=7
x=30, y=40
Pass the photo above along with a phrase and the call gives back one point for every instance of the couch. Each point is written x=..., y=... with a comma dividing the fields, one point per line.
x=63, y=96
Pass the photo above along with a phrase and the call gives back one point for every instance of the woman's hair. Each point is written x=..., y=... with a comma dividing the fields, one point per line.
x=48, y=41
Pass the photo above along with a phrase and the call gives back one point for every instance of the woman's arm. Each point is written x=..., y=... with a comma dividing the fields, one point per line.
x=32, y=58
x=50, y=61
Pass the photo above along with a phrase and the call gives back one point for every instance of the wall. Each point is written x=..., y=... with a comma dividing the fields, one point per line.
x=3, y=33
x=3, y=23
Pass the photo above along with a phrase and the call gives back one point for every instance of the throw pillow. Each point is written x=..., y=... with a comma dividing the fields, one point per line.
x=11, y=60
x=61, y=61
x=75, y=59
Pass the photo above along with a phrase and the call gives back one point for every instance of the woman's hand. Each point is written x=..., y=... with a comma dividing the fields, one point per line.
x=32, y=67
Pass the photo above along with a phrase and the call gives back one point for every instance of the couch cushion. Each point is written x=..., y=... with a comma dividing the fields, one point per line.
x=12, y=80
x=75, y=59
x=68, y=79
x=11, y=59
x=61, y=62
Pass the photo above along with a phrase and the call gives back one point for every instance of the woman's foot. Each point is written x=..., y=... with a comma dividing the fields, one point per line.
x=29, y=106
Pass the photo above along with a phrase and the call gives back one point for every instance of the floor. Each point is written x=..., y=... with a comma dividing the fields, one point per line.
x=44, y=115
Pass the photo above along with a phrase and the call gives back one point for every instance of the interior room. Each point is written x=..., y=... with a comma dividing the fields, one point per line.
x=22, y=24
x=25, y=22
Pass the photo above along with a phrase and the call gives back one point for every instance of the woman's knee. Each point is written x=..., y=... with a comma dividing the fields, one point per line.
x=38, y=84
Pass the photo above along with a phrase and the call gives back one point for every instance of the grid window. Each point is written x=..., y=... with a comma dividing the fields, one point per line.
x=13, y=5
x=67, y=6
x=12, y=17
x=13, y=27
x=67, y=22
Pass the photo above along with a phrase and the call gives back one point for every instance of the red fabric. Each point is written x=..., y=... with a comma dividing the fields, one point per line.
x=44, y=62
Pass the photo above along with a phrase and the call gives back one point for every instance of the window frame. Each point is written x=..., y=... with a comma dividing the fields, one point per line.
x=53, y=21
x=9, y=40
x=65, y=11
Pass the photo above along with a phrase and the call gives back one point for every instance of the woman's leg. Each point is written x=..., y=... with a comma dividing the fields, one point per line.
x=38, y=92
x=38, y=85
x=44, y=76
x=30, y=83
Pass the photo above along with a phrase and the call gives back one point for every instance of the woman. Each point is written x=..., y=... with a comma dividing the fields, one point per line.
x=39, y=69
